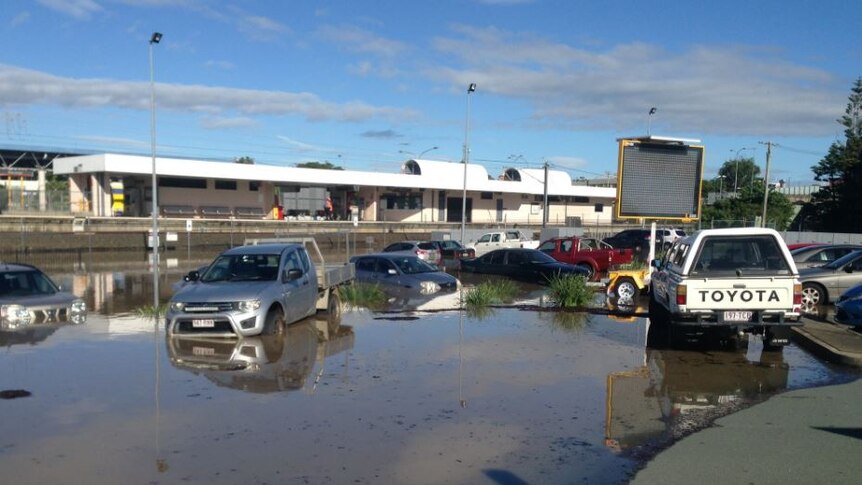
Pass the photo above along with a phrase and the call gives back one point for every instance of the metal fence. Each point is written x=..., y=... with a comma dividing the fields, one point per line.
x=20, y=201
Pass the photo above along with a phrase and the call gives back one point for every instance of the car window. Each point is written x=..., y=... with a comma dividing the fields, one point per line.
x=495, y=238
x=740, y=255
x=449, y=245
x=384, y=265
x=303, y=257
x=427, y=246
x=25, y=283
x=485, y=238
x=513, y=235
x=365, y=264
x=548, y=246
x=292, y=261
x=497, y=257
x=515, y=257
x=566, y=246
x=413, y=266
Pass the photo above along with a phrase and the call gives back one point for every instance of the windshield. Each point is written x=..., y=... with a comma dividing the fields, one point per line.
x=740, y=255
x=847, y=258
x=242, y=267
x=26, y=283
x=413, y=265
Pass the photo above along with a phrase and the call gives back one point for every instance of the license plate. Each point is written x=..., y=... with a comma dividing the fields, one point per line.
x=203, y=323
x=203, y=351
x=738, y=316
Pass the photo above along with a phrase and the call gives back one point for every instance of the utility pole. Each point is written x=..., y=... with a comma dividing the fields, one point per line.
x=545, y=199
x=769, y=145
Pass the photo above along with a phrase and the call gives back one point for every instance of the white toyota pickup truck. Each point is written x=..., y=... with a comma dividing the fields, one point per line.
x=510, y=238
x=734, y=281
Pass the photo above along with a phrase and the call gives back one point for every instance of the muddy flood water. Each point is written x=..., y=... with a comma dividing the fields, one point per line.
x=505, y=396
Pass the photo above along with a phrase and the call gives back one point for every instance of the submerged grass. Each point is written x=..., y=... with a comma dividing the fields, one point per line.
x=364, y=295
x=570, y=291
x=490, y=293
x=149, y=311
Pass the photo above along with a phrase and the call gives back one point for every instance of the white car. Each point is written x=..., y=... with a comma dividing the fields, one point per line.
x=666, y=236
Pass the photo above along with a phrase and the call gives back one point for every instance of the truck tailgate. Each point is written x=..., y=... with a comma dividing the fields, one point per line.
x=742, y=294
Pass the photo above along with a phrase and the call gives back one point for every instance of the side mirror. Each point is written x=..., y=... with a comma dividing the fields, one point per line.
x=849, y=268
x=655, y=263
x=192, y=276
x=391, y=272
x=292, y=274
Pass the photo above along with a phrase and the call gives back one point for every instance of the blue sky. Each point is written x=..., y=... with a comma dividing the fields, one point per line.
x=367, y=84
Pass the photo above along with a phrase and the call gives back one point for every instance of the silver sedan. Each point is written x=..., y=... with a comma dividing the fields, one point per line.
x=826, y=283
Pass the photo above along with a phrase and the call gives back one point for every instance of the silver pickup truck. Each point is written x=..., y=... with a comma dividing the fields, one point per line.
x=256, y=289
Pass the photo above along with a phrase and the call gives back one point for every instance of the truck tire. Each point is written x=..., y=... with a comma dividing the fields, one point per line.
x=626, y=289
x=775, y=338
x=274, y=323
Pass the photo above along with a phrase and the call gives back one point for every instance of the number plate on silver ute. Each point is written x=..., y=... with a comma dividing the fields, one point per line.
x=203, y=323
x=738, y=316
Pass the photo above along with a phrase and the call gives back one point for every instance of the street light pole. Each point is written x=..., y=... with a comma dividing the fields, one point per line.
x=426, y=151
x=155, y=39
x=769, y=145
x=471, y=88
x=649, y=121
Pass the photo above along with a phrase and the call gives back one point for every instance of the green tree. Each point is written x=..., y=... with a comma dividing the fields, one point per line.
x=747, y=203
x=325, y=165
x=244, y=160
x=835, y=206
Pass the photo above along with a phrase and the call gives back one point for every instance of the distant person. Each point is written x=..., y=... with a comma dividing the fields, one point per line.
x=327, y=208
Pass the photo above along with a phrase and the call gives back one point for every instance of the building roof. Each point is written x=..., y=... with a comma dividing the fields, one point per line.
x=415, y=174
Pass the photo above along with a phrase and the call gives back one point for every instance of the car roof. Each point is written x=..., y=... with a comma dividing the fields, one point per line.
x=274, y=248
x=18, y=267
x=385, y=256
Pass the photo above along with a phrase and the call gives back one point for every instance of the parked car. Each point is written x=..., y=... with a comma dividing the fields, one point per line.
x=510, y=238
x=666, y=236
x=589, y=253
x=820, y=254
x=422, y=250
x=452, y=249
x=637, y=240
x=825, y=283
x=527, y=264
x=29, y=297
x=848, y=308
x=402, y=271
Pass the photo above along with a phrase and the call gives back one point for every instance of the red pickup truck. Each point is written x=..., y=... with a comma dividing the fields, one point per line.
x=590, y=253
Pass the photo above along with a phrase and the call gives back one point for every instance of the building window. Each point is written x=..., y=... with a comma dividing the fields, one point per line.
x=600, y=207
x=401, y=201
x=582, y=200
x=487, y=195
x=225, y=184
x=182, y=183
x=253, y=186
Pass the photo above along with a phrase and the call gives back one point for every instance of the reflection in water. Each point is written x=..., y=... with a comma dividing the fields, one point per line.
x=30, y=335
x=263, y=364
x=678, y=392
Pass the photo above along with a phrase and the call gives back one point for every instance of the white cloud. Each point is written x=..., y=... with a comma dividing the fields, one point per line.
x=705, y=89
x=566, y=162
x=109, y=140
x=20, y=19
x=79, y=9
x=260, y=28
x=226, y=65
x=358, y=40
x=303, y=147
x=225, y=123
x=23, y=87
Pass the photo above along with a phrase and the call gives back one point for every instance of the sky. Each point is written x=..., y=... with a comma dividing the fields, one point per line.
x=369, y=84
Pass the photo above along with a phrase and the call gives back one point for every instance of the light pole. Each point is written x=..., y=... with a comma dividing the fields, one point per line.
x=155, y=39
x=736, y=175
x=471, y=88
x=721, y=187
x=649, y=121
x=426, y=151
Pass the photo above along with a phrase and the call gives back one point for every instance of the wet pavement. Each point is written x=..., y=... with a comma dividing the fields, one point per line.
x=506, y=395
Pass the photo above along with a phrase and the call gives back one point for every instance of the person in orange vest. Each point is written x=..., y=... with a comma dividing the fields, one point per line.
x=327, y=208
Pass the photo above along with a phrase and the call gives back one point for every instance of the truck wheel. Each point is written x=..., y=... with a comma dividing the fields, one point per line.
x=812, y=295
x=626, y=289
x=333, y=311
x=590, y=273
x=274, y=323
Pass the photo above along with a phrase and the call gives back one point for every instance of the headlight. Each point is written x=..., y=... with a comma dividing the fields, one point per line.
x=79, y=306
x=15, y=314
x=428, y=287
x=248, y=305
x=178, y=306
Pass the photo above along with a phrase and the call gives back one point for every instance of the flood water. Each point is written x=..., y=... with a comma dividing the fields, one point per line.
x=504, y=396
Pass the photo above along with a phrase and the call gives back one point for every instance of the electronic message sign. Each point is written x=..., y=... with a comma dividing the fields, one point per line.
x=659, y=178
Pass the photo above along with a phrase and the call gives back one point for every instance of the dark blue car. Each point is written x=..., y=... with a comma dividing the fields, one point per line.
x=848, y=308
x=525, y=264
x=403, y=271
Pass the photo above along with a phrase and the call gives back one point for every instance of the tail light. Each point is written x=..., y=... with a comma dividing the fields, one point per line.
x=797, y=294
x=421, y=252
x=681, y=295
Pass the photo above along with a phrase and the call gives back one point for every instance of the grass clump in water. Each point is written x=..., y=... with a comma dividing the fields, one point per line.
x=363, y=295
x=491, y=293
x=149, y=311
x=570, y=291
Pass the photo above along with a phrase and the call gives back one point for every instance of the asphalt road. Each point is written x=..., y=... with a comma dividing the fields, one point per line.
x=805, y=436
